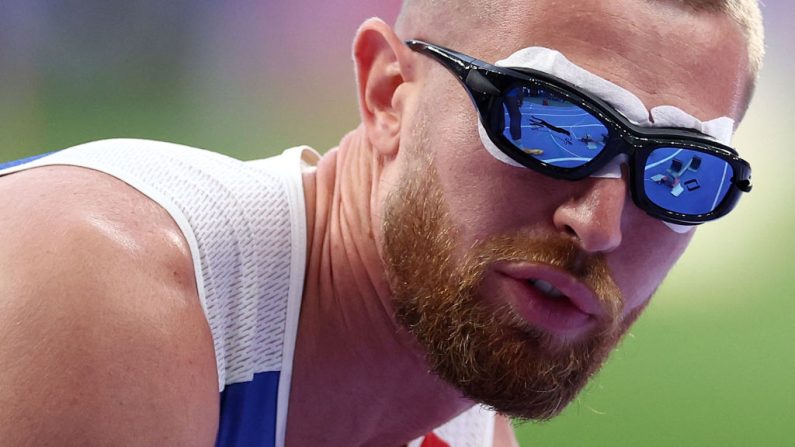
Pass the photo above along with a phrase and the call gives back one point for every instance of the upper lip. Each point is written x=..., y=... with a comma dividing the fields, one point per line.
x=580, y=294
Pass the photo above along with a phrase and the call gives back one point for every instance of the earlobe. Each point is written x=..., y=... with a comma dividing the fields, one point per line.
x=380, y=71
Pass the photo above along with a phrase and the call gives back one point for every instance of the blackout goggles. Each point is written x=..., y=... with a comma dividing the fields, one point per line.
x=546, y=124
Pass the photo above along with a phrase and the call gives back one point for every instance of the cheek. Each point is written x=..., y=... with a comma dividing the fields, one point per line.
x=644, y=260
x=472, y=181
x=485, y=196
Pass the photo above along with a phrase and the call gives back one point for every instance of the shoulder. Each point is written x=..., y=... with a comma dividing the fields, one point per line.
x=67, y=217
x=504, y=435
x=104, y=338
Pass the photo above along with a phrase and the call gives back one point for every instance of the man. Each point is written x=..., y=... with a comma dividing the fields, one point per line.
x=139, y=278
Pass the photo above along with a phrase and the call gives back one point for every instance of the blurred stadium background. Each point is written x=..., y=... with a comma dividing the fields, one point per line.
x=711, y=363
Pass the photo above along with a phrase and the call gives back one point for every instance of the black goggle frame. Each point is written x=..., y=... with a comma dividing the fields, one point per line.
x=486, y=85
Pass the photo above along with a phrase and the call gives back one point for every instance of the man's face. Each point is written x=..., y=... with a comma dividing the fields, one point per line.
x=466, y=238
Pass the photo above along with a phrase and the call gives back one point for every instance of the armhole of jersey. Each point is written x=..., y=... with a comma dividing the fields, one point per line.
x=163, y=201
x=293, y=160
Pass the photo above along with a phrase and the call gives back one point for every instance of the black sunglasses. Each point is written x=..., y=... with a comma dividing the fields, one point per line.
x=554, y=128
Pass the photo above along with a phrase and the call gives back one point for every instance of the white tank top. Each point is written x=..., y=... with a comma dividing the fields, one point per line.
x=245, y=224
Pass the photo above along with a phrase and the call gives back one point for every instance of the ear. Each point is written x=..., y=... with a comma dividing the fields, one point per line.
x=381, y=68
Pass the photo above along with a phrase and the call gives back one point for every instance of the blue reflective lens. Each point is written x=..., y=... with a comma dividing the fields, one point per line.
x=686, y=181
x=550, y=128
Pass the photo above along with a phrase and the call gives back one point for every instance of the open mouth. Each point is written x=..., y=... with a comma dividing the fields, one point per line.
x=547, y=307
x=547, y=289
x=550, y=299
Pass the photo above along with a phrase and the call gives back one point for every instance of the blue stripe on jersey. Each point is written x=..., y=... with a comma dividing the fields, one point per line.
x=11, y=164
x=248, y=412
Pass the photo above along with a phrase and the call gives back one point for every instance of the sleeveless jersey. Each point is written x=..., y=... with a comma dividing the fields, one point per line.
x=245, y=224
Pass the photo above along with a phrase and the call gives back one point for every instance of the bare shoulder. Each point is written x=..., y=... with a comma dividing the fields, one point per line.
x=504, y=435
x=102, y=337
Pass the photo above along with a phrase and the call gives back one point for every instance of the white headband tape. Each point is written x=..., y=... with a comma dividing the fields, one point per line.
x=625, y=102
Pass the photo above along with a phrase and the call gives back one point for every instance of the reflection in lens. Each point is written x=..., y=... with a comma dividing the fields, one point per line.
x=686, y=181
x=551, y=128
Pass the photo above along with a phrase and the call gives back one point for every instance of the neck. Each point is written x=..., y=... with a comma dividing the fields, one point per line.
x=353, y=361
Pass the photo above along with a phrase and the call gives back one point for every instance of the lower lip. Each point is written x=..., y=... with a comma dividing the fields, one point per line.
x=557, y=316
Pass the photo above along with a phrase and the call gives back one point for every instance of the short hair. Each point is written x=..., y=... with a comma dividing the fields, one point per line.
x=746, y=13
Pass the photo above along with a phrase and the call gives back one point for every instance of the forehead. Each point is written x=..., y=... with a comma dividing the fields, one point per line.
x=664, y=54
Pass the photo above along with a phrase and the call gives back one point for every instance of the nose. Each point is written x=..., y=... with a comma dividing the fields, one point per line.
x=593, y=217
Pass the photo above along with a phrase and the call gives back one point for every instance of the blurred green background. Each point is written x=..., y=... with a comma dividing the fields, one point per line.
x=711, y=362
